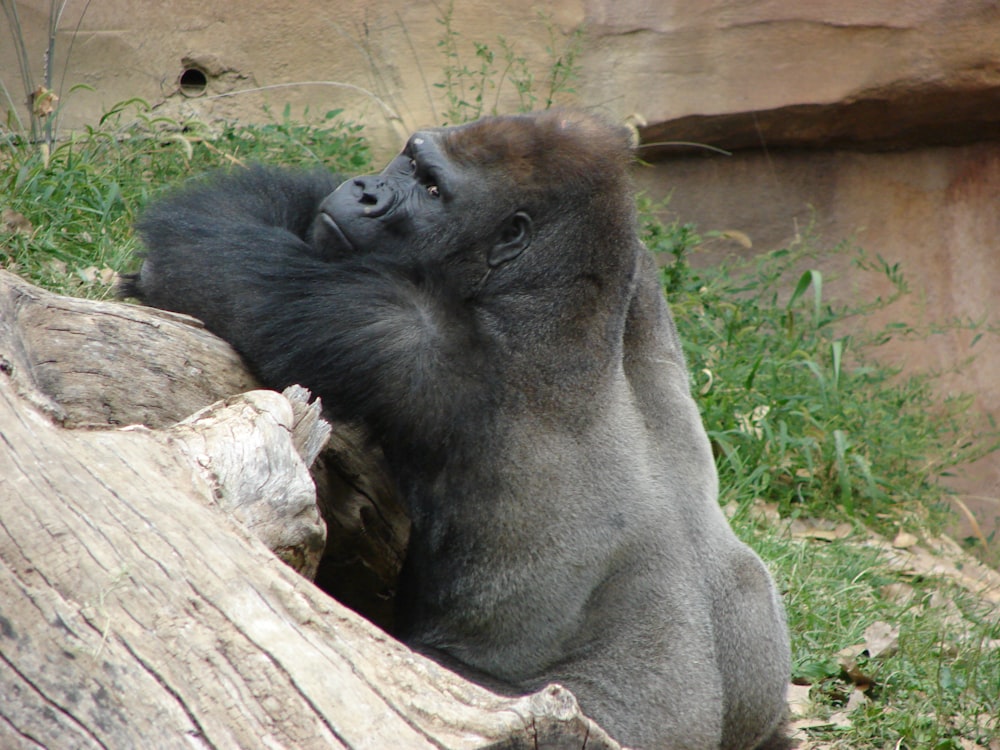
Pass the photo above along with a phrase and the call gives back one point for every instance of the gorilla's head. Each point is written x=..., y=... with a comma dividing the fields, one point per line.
x=481, y=193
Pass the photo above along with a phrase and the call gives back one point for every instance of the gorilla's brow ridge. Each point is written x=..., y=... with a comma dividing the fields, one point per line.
x=546, y=151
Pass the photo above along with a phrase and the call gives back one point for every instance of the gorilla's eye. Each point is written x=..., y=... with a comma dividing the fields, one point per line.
x=433, y=191
x=413, y=166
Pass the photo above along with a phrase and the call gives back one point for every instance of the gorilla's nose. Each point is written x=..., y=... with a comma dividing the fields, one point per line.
x=373, y=194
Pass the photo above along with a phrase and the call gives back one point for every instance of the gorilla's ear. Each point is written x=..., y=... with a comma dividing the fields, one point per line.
x=515, y=236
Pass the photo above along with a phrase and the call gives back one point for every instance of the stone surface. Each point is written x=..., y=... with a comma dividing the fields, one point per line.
x=780, y=73
x=379, y=61
x=737, y=74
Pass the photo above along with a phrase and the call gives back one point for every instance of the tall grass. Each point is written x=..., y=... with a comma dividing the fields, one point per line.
x=800, y=412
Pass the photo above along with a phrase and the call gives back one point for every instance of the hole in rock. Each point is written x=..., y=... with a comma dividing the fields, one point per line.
x=193, y=82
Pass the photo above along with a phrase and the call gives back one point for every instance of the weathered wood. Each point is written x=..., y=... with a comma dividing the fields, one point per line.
x=88, y=363
x=93, y=364
x=254, y=451
x=103, y=363
x=138, y=610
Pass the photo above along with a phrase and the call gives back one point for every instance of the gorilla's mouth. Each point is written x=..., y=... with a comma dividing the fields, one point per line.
x=335, y=230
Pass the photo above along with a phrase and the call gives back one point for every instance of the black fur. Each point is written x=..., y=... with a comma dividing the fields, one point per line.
x=485, y=308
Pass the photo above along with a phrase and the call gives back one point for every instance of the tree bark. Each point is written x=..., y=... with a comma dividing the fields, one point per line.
x=95, y=364
x=140, y=604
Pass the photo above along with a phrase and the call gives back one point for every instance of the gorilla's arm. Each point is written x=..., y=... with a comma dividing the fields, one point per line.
x=375, y=343
x=238, y=203
x=198, y=238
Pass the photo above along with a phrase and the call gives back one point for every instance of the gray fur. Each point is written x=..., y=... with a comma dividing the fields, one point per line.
x=513, y=353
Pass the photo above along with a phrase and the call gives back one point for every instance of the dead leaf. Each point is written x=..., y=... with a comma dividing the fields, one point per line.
x=767, y=512
x=850, y=653
x=93, y=274
x=14, y=222
x=952, y=617
x=799, y=702
x=881, y=638
x=848, y=660
x=43, y=102
x=709, y=380
x=899, y=593
x=904, y=540
x=735, y=234
x=945, y=558
x=820, y=529
x=857, y=700
x=750, y=423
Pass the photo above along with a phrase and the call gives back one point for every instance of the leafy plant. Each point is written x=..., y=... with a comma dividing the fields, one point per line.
x=467, y=88
x=799, y=412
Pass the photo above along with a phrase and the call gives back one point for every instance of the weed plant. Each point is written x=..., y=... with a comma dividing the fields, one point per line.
x=472, y=90
x=42, y=99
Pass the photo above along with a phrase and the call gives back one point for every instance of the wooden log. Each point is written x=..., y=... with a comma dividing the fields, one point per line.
x=90, y=363
x=138, y=609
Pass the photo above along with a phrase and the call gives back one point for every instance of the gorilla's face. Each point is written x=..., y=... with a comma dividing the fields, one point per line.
x=423, y=202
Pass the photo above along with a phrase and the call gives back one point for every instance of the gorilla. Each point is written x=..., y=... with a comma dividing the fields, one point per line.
x=484, y=308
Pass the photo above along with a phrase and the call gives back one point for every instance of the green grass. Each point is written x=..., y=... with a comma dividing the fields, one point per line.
x=75, y=205
x=804, y=419
x=940, y=686
x=799, y=412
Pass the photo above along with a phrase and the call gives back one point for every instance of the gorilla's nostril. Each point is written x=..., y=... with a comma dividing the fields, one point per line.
x=368, y=199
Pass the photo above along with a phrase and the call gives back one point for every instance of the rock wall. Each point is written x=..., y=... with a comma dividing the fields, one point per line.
x=827, y=73
x=875, y=122
x=379, y=61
